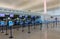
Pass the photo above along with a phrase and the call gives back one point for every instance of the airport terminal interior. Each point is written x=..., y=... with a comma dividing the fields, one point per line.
x=29, y=19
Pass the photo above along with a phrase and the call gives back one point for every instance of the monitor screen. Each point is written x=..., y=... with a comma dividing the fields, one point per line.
x=11, y=15
x=20, y=16
x=2, y=15
x=26, y=16
x=32, y=16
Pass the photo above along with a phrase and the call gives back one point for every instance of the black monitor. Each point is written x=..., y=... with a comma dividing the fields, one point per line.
x=2, y=15
x=29, y=16
x=38, y=17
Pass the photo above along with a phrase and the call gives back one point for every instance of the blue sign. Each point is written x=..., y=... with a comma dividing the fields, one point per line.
x=2, y=23
x=11, y=23
x=2, y=15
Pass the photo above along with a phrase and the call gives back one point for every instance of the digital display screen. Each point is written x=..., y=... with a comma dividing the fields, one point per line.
x=26, y=16
x=11, y=15
x=20, y=16
x=32, y=16
x=2, y=15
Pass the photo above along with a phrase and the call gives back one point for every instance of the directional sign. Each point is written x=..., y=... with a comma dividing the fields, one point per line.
x=2, y=23
x=11, y=23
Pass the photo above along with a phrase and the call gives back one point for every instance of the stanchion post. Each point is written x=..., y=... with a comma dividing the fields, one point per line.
x=2, y=30
x=47, y=25
x=6, y=30
x=11, y=36
x=29, y=29
x=23, y=28
x=41, y=26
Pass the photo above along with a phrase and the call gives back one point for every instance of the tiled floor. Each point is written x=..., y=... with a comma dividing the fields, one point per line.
x=50, y=33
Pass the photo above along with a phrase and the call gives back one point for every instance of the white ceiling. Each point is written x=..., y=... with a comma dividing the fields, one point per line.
x=33, y=5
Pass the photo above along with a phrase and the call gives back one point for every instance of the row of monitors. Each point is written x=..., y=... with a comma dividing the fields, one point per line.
x=10, y=15
x=3, y=15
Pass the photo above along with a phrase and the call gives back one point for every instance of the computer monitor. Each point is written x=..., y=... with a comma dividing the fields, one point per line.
x=32, y=16
x=20, y=16
x=26, y=16
x=2, y=15
x=11, y=15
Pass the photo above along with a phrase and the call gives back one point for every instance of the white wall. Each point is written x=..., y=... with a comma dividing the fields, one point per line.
x=54, y=12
